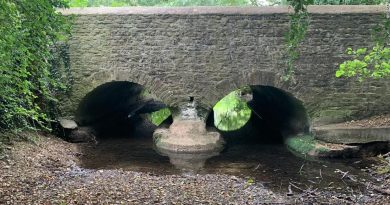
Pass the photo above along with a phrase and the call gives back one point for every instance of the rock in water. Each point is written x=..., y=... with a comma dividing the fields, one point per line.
x=68, y=124
x=82, y=134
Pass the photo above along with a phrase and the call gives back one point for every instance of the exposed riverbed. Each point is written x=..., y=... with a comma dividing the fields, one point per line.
x=130, y=171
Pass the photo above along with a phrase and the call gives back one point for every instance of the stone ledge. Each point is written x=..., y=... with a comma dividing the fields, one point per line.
x=166, y=141
x=352, y=135
x=325, y=9
x=308, y=146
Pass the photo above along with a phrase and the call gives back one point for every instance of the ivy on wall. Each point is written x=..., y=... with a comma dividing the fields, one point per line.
x=299, y=23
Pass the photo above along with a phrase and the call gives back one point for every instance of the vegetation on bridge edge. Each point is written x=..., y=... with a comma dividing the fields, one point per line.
x=30, y=80
x=370, y=63
x=29, y=83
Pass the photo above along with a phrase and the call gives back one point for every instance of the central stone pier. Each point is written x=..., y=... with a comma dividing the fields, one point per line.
x=187, y=133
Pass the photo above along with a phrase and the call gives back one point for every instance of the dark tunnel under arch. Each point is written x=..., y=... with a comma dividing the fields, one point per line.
x=276, y=115
x=118, y=109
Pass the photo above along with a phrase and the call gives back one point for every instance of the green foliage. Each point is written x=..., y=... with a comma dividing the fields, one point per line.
x=231, y=112
x=299, y=23
x=159, y=116
x=301, y=144
x=373, y=63
x=78, y=3
x=29, y=30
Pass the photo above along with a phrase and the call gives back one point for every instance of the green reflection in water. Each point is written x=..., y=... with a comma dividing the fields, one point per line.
x=159, y=116
x=231, y=112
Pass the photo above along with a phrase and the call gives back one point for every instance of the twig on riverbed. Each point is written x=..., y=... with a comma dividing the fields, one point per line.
x=296, y=187
x=257, y=167
x=345, y=174
x=374, y=187
x=300, y=170
x=290, y=193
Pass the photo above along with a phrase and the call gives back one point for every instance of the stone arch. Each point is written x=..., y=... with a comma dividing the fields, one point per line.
x=154, y=85
x=279, y=109
x=224, y=87
x=117, y=107
x=85, y=84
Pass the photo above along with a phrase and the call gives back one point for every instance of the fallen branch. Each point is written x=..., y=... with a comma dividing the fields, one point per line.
x=300, y=170
x=296, y=187
x=257, y=167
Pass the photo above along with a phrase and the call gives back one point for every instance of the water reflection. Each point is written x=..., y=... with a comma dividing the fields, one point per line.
x=192, y=162
x=272, y=165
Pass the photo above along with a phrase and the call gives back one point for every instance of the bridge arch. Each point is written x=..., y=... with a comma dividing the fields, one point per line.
x=118, y=109
x=265, y=78
x=154, y=85
x=177, y=58
x=275, y=115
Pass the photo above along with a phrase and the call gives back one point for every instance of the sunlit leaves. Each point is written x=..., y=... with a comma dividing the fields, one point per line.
x=159, y=116
x=369, y=63
x=373, y=64
x=231, y=112
x=28, y=30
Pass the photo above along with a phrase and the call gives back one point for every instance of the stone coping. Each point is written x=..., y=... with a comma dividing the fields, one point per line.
x=352, y=135
x=248, y=10
x=346, y=127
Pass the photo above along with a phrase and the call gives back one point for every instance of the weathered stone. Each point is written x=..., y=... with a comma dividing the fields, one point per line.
x=308, y=146
x=187, y=136
x=67, y=124
x=352, y=135
x=207, y=52
x=188, y=161
x=82, y=134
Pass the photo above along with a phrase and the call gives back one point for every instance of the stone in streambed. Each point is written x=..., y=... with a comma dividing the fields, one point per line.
x=82, y=134
x=67, y=124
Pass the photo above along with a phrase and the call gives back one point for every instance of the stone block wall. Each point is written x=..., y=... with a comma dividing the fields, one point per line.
x=205, y=53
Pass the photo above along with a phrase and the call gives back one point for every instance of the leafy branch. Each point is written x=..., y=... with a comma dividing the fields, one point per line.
x=29, y=83
x=370, y=63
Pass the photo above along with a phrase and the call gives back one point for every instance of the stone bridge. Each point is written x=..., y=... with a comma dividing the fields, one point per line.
x=206, y=52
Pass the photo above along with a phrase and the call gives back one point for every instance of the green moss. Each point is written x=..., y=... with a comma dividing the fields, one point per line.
x=302, y=144
x=308, y=147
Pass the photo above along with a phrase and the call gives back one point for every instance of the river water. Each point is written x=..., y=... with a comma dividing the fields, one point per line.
x=272, y=165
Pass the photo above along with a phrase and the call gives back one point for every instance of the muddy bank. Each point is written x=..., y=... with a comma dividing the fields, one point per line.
x=50, y=173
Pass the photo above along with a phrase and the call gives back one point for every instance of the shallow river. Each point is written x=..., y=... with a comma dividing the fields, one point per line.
x=272, y=165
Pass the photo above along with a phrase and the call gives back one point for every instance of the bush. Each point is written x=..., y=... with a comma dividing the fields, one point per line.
x=28, y=81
